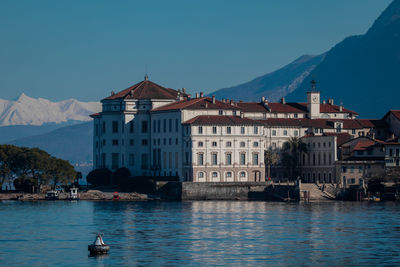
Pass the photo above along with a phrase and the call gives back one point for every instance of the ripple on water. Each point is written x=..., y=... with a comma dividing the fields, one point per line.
x=200, y=233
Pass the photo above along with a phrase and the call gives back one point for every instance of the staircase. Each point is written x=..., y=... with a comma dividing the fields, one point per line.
x=316, y=193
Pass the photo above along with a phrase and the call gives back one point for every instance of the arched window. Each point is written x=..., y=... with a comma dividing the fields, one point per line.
x=242, y=174
x=214, y=174
x=200, y=175
x=228, y=174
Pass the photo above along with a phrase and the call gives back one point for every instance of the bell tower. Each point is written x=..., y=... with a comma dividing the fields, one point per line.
x=313, y=101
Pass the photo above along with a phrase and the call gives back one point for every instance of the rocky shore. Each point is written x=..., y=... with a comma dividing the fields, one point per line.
x=88, y=195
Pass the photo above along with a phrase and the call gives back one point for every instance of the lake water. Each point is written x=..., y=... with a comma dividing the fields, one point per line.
x=200, y=233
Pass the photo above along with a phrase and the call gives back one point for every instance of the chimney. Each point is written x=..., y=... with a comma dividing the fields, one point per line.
x=201, y=94
x=283, y=101
x=324, y=102
x=330, y=101
x=112, y=93
x=184, y=90
x=213, y=99
x=262, y=99
x=341, y=108
x=197, y=95
x=241, y=114
x=232, y=103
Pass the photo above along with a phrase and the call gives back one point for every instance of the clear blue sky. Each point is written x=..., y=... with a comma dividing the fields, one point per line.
x=84, y=49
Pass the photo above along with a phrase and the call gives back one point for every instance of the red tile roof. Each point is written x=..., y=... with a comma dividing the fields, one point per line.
x=289, y=108
x=95, y=115
x=145, y=90
x=341, y=137
x=316, y=123
x=197, y=103
x=220, y=120
x=364, y=144
x=396, y=114
x=372, y=123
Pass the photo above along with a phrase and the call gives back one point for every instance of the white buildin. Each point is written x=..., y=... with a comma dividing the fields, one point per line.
x=157, y=131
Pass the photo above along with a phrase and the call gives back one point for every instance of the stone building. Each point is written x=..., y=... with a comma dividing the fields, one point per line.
x=158, y=131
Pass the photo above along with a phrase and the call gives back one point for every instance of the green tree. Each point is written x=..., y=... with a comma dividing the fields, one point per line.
x=99, y=177
x=60, y=171
x=291, y=153
x=270, y=158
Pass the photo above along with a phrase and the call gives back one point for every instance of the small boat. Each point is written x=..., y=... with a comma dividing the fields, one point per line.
x=51, y=195
x=98, y=247
x=115, y=196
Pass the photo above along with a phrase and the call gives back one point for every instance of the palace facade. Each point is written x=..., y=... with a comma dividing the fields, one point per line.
x=158, y=131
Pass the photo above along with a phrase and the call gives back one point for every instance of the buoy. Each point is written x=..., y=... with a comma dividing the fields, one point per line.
x=115, y=196
x=98, y=247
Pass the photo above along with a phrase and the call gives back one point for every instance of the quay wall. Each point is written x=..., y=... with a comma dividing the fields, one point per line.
x=226, y=191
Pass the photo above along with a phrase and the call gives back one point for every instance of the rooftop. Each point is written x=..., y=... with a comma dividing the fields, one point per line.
x=221, y=120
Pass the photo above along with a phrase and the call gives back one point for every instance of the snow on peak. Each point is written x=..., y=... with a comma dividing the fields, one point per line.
x=26, y=110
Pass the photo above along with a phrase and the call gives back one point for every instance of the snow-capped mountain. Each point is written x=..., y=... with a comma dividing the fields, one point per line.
x=26, y=110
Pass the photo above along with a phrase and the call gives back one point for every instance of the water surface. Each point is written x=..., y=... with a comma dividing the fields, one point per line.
x=200, y=233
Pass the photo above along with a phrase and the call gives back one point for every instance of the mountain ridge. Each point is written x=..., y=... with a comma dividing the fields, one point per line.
x=25, y=110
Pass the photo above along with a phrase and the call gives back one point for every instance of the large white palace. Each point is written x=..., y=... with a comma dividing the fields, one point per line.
x=157, y=131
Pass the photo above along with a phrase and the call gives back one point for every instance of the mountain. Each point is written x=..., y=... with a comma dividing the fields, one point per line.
x=73, y=143
x=363, y=71
x=273, y=85
x=26, y=110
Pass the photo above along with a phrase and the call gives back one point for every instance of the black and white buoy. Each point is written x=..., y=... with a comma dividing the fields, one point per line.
x=98, y=247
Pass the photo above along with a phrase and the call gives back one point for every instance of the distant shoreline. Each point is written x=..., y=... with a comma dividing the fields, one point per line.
x=89, y=195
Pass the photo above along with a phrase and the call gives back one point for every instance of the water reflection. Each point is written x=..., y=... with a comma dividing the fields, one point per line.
x=200, y=233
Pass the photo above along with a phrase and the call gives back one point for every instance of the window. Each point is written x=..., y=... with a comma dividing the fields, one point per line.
x=165, y=141
x=214, y=130
x=176, y=141
x=170, y=125
x=242, y=144
x=295, y=115
x=353, y=131
x=242, y=158
x=214, y=144
x=145, y=164
x=228, y=159
x=228, y=174
x=144, y=126
x=214, y=174
x=228, y=130
x=115, y=126
x=200, y=159
x=255, y=144
x=154, y=126
x=220, y=112
x=97, y=130
x=114, y=160
x=104, y=127
x=200, y=144
x=242, y=174
x=351, y=169
x=273, y=132
x=176, y=125
x=344, y=169
x=242, y=130
x=273, y=145
x=131, y=159
x=132, y=126
x=164, y=125
x=158, y=126
x=397, y=152
x=360, y=168
x=229, y=144
x=214, y=159
x=255, y=130
x=144, y=142
x=296, y=133
x=115, y=142
x=170, y=160
x=285, y=132
x=255, y=159
x=391, y=152
x=200, y=129
x=186, y=158
x=200, y=175
x=176, y=160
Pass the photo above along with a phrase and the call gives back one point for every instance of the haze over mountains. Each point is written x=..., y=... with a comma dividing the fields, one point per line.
x=362, y=72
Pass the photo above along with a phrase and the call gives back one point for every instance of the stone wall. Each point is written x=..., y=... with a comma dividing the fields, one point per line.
x=226, y=191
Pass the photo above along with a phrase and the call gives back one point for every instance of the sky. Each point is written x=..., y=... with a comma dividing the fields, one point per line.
x=85, y=49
